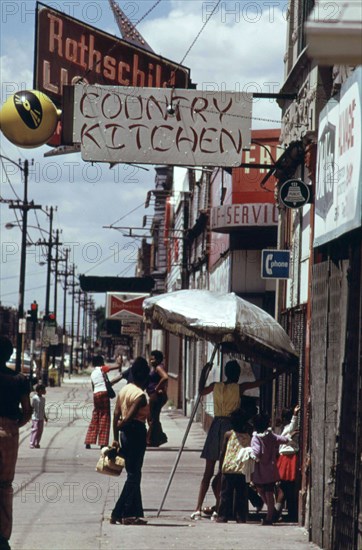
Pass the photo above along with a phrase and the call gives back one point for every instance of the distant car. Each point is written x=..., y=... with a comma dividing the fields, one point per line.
x=25, y=367
x=58, y=363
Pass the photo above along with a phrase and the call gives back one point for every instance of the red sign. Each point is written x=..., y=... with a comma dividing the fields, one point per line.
x=220, y=186
x=68, y=50
x=246, y=181
x=124, y=305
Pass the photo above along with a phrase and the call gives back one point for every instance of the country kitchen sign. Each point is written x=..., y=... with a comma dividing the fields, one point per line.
x=161, y=126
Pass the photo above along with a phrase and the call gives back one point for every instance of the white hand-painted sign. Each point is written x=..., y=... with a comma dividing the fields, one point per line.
x=338, y=195
x=161, y=126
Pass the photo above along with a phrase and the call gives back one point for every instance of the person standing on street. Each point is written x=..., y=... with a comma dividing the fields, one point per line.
x=287, y=465
x=226, y=396
x=129, y=418
x=265, y=445
x=157, y=391
x=100, y=424
x=38, y=416
x=234, y=464
x=15, y=411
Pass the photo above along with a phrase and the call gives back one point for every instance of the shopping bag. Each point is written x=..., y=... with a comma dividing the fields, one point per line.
x=110, y=462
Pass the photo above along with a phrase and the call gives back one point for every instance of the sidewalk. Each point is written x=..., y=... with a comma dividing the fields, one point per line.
x=60, y=502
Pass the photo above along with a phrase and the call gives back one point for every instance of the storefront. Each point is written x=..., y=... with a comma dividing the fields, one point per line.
x=336, y=324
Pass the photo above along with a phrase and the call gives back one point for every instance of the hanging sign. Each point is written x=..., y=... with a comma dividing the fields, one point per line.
x=160, y=126
x=125, y=306
x=275, y=264
x=294, y=193
x=68, y=50
x=338, y=195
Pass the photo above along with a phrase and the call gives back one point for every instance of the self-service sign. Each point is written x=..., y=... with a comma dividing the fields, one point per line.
x=275, y=264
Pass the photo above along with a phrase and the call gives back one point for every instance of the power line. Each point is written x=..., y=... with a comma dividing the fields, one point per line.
x=8, y=179
x=199, y=33
x=27, y=290
x=147, y=12
x=128, y=213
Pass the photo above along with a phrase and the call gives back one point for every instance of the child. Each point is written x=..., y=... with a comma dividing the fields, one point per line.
x=234, y=488
x=287, y=465
x=265, y=446
x=38, y=416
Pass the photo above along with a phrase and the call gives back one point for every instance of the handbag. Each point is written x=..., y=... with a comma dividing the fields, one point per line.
x=110, y=390
x=110, y=462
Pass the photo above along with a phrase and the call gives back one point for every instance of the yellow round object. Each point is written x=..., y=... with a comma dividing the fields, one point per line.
x=29, y=118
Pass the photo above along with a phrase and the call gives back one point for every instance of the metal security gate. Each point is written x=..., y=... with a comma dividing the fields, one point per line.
x=348, y=495
x=289, y=387
x=329, y=308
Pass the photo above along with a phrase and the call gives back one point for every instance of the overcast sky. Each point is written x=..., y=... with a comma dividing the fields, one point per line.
x=241, y=48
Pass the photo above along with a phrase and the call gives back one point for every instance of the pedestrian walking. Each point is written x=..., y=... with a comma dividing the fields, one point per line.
x=15, y=411
x=226, y=397
x=100, y=424
x=38, y=417
x=234, y=464
x=157, y=392
x=265, y=445
x=287, y=466
x=129, y=418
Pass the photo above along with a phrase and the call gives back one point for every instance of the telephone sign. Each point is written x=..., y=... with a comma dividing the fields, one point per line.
x=275, y=264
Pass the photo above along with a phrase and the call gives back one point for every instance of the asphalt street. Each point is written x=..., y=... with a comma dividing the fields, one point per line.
x=62, y=503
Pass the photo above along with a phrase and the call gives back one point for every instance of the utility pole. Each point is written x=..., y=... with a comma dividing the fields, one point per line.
x=33, y=312
x=72, y=328
x=65, y=274
x=78, y=328
x=24, y=207
x=45, y=353
x=56, y=260
x=49, y=262
x=85, y=326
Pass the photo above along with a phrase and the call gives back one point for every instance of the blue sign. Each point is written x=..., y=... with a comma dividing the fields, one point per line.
x=275, y=264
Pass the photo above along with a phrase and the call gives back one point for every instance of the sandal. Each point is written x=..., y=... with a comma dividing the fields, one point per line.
x=196, y=515
x=208, y=510
x=214, y=516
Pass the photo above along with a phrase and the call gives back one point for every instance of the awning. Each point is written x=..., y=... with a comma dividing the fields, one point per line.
x=334, y=32
x=116, y=284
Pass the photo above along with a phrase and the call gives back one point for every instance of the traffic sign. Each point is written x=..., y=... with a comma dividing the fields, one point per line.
x=22, y=326
x=275, y=264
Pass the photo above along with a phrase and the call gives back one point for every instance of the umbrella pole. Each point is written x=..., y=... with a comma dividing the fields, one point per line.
x=185, y=435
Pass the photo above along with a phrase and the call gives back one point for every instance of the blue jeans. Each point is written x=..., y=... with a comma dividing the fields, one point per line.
x=133, y=443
